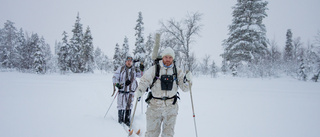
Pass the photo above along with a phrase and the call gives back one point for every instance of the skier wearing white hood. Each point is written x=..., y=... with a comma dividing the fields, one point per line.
x=163, y=106
x=124, y=79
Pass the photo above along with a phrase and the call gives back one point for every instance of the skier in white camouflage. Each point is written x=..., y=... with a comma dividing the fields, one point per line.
x=162, y=99
x=124, y=79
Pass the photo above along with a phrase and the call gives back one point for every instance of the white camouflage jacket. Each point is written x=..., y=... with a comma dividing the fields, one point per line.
x=120, y=77
x=147, y=79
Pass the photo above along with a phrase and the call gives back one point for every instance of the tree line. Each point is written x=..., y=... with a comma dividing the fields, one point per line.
x=179, y=35
x=23, y=51
x=30, y=53
x=247, y=50
x=77, y=55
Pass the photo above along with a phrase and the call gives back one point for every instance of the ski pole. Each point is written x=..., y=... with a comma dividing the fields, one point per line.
x=194, y=116
x=141, y=105
x=111, y=105
x=134, y=111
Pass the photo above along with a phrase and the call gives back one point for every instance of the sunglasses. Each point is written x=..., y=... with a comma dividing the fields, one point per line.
x=129, y=58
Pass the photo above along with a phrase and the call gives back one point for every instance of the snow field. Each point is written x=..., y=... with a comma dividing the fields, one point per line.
x=73, y=105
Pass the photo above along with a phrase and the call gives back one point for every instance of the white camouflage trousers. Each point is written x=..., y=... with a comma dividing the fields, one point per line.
x=125, y=100
x=159, y=113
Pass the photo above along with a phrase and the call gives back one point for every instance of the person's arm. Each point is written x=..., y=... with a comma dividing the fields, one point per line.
x=183, y=83
x=116, y=79
x=145, y=81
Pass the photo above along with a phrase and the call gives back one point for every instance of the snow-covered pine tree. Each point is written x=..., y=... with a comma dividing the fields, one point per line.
x=5, y=63
x=213, y=69
x=98, y=58
x=8, y=42
x=139, y=52
x=299, y=58
x=1, y=48
x=247, y=42
x=87, y=52
x=297, y=49
x=301, y=73
x=315, y=57
x=63, y=56
x=125, y=49
x=38, y=63
x=149, y=47
x=224, y=67
x=55, y=57
x=106, y=64
x=1, y=38
x=57, y=45
x=288, y=55
x=21, y=50
x=26, y=54
x=36, y=58
x=288, y=51
x=117, y=60
x=75, y=47
x=29, y=52
x=102, y=61
x=21, y=42
x=47, y=55
x=9, y=34
x=234, y=70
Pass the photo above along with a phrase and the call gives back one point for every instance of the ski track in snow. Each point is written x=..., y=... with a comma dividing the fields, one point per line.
x=74, y=105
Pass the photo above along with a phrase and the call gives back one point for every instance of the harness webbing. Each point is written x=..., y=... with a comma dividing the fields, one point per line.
x=157, y=73
x=150, y=96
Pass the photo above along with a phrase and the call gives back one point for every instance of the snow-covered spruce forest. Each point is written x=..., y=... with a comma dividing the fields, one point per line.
x=247, y=50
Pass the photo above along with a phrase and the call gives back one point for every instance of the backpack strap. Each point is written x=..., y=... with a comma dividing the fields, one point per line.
x=157, y=72
x=175, y=74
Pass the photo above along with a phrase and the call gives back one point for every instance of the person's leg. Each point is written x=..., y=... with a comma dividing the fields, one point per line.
x=127, y=117
x=120, y=107
x=169, y=121
x=154, y=120
x=120, y=116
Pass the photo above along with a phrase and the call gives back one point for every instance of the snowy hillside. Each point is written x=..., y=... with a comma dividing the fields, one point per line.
x=74, y=106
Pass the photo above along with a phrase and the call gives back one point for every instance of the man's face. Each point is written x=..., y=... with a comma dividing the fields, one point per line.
x=129, y=63
x=167, y=60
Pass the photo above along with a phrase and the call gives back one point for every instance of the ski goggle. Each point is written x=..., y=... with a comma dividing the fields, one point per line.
x=129, y=58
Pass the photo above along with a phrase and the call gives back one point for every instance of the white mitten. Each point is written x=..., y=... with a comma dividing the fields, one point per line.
x=189, y=76
x=138, y=93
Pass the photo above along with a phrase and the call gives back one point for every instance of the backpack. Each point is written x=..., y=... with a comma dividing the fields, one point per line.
x=157, y=75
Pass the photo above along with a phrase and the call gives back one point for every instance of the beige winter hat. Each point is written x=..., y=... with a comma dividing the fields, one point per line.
x=168, y=51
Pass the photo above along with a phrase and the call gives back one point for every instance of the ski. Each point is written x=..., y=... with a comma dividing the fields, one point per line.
x=129, y=131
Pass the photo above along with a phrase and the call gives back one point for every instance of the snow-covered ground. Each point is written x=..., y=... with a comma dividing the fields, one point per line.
x=74, y=105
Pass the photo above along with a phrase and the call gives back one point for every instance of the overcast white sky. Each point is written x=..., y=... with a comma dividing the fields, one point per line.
x=111, y=20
